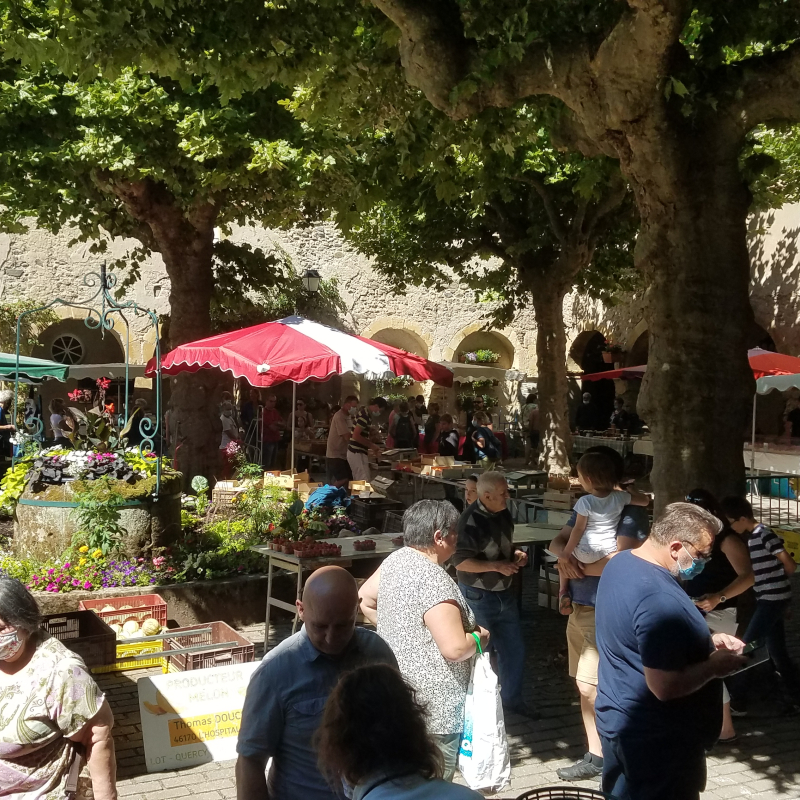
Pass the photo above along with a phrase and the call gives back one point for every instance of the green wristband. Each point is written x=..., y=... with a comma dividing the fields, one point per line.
x=478, y=647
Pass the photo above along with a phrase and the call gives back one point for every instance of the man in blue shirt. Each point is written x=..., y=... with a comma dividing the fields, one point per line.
x=659, y=697
x=287, y=693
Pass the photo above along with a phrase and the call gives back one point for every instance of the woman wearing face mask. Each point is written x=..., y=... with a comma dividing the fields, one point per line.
x=422, y=615
x=54, y=716
x=718, y=586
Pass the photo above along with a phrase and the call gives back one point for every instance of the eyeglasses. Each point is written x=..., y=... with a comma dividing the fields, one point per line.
x=703, y=559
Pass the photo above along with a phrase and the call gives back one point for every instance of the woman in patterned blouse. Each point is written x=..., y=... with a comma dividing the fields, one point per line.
x=420, y=612
x=52, y=711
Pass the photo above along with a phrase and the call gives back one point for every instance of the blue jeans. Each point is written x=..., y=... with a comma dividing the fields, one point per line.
x=499, y=614
x=448, y=744
x=767, y=624
x=269, y=450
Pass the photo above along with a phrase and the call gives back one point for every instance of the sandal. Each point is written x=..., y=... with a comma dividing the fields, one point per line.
x=565, y=604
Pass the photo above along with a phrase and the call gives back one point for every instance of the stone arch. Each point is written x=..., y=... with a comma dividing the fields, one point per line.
x=97, y=347
x=638, y=349
x=585, y=345
x=402, y=333
x=475, y=336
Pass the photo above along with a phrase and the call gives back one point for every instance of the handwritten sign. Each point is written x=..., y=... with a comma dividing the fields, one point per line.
x=191, y=718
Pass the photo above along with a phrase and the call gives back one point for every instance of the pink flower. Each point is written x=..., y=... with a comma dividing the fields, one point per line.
x=87, y=585
x=51, y=587
x=76, y=582
x=35, y=578
x=66, y=566
x=50, y=571
x=157, y=562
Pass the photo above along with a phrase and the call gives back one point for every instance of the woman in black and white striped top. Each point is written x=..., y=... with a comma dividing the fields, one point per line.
x=772, y=566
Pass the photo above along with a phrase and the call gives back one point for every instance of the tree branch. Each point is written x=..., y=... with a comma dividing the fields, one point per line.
x=762, y=89
x=437, y=57
x=549, y=206
x=612, y=200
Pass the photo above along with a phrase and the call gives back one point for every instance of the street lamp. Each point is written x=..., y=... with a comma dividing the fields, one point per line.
x=311, y=280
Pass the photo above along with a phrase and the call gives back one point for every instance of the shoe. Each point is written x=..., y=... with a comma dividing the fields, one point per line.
x=738, y=712
x=523, y=710
x=584, y=770
x=729, y=740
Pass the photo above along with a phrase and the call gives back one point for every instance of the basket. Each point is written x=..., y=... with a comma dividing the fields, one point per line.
x=392, y=522
x=241, y=653
x=565, y=793
x=371, y=513
x=125, y=663
x=144, y=606
x=84, y=633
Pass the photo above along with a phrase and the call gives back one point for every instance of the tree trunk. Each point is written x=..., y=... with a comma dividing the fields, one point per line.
x=551, y=363
x=185, y=240
x=698, y=388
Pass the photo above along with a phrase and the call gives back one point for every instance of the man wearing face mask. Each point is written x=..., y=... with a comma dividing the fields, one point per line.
x=287, y=693
x=659, y=697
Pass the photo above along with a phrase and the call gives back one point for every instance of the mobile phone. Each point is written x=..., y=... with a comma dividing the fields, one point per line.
x=751, y=646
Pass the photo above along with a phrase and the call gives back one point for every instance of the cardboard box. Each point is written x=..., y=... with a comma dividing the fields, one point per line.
x=305, y=490
x=286, y=480
x=438, y=461
x=559, y=500
x=791, y=541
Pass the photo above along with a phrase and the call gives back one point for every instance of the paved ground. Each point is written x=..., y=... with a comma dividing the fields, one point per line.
x=765, y=763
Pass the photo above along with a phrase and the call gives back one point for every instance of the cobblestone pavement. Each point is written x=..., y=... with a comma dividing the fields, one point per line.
x=764, y=763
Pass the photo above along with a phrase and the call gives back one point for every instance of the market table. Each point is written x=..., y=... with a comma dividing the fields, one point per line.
x=580, y=444
x=297, y=565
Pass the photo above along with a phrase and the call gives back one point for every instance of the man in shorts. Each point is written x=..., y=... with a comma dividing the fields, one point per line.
x=632, y=530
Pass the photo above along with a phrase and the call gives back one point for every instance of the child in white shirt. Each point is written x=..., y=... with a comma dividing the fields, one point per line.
x=594, y=535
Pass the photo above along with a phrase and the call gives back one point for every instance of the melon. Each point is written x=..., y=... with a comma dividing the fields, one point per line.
x=151, y=627
x=131, y=627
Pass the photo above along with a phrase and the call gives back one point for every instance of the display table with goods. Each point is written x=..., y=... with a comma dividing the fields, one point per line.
x=300, y=558
x=587, y=439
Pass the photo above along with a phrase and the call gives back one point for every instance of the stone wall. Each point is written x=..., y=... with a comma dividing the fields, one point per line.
x=434, y=324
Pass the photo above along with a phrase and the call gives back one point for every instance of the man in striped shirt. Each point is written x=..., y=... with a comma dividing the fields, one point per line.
x=360, y=443
x=772, y=566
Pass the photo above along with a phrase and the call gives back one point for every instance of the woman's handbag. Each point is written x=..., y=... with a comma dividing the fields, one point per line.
x=74, y=774
x=483, y=758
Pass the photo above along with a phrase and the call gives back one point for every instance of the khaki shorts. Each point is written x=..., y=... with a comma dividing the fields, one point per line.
x=582, y=645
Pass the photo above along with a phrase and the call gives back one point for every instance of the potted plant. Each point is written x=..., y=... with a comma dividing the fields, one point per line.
x=612, y=352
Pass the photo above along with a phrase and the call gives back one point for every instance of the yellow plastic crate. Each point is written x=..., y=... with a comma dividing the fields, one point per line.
x=791, y=541
x=125, y=663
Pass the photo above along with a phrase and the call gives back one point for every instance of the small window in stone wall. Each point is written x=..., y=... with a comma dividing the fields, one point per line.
x=67, y=349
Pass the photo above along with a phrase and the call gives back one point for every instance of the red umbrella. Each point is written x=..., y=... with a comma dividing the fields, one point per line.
x=762, y=362
x=296, y=349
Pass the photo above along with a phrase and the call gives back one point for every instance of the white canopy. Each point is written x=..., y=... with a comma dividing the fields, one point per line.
x=780, y=383
x=467, y=373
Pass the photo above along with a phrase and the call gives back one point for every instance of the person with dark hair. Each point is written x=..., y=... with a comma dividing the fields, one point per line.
x=403, y=428
x=373, y=740
x=594, y=534
x=632, y=530
x=420, y=612
x=54, y=714
x=659, y=697
x=432, y=427
x=448, y=437
x=486, y=561
x=471, y=490
x=717, y=588
x=529, y=422
x=339, y=438
x=419, y=407
x=772, y=566
x=620, y=419
x=272, y=426
x=61, y=423
x=287, y=693
x=360, y=443
x=6, y=424
x=486, y=445
x=249, y=409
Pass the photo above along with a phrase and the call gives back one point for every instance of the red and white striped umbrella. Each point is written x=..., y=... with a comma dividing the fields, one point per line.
x=296, y=349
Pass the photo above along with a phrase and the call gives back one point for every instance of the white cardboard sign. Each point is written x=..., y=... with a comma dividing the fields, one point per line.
x=191, y=718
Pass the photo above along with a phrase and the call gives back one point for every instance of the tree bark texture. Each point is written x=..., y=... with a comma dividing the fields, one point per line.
x=551, y=364
x=691, y=198
x=185, y=240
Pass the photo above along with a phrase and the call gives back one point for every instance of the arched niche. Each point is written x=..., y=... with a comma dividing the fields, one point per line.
x=487, y=340
x=402, y=338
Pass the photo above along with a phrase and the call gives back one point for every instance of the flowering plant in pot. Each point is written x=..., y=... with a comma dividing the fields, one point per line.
x=612, y=352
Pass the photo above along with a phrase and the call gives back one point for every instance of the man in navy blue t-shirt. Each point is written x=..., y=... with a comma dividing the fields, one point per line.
x=659, y=700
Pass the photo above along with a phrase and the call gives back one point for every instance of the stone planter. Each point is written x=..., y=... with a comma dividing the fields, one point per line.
x=44, y=523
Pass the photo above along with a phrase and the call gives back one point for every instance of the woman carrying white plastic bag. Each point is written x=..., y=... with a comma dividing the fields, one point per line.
x=483, y=758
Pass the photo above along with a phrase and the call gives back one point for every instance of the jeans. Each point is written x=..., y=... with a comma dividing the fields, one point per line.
x=269, y=450
x=448, y=744
x=499, y=614
x=635, y=769
x=767, y=624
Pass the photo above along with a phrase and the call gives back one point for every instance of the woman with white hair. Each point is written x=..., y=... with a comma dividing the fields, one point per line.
x=420, y=612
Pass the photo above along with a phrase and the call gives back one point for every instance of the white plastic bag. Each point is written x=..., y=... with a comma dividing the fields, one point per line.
x=483, y=758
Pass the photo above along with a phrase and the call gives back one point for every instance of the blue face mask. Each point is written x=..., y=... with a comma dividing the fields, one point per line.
x=697, y=566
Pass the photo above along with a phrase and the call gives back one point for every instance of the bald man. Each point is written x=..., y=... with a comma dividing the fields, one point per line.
x=287, y=693
x=486, y=561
